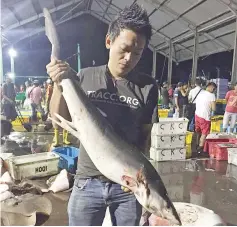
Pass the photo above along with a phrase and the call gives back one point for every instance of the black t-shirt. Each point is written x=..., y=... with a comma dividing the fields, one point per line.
x=127, y=104
x=165, y=96
x=182, y=100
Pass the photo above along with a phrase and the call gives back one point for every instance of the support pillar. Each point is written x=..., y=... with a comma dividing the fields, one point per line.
x=195, y=57
x=154, y=64
x=78, y=58
x=1, y=60
x=170, y=64
x=234, y=64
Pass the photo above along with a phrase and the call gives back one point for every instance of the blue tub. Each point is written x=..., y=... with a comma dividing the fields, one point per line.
x=68, y=158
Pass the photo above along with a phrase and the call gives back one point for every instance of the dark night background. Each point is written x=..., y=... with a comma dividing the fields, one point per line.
x=34, y=53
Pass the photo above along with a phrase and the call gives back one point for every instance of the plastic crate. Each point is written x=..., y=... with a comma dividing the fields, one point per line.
x=189, y=137
x=222, y=151
x=17, y=121
x=216, y=124
x=33, y=165
x=68, y=158
x=163, y=113
x=232, y=156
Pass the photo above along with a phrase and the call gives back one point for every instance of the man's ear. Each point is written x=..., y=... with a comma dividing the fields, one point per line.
x=107, y=42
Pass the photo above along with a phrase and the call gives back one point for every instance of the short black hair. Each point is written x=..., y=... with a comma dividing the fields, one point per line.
x=198, y=82
x=134, y=18
x=211, y=84
x=185, y=83
x=180, y=84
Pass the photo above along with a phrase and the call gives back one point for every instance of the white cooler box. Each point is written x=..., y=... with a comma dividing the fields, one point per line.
x=168, y=154
x=33, y=165
x=232, y=156
x=167, y=126
x=168, y=141
x=231, y=171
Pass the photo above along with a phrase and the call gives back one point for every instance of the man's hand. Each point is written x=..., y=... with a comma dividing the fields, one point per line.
x=58, y=70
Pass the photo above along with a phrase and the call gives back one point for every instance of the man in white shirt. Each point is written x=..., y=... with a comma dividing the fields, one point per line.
x=205, y=108
x=193, y=93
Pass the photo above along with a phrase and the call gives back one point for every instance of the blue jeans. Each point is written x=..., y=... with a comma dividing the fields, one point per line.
x=90, y=198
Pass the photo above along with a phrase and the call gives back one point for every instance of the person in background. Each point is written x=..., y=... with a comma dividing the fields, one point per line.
x=192, y=103
x=181, y=98
x=48, y=95
x=22, y=88
x=35, y=95
x=44, y=89
x=165, y=96
x=176, y=93
x=159, y=89
x=205, y=109
x=231, y=110
x=8, y=100
x=27, y=103
x=171, y=92
x=193, y=92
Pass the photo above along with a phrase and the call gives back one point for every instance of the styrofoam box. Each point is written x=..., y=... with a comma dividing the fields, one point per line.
x=167, y=168
x=168, y=154
x=231, y=171
x=172, y=179
x=232, y=156
x=167, y=126
x=33, y=165
x=168, y=141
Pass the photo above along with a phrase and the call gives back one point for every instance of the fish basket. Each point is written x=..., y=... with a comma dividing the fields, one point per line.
x=189, y=137
x=188, y=151
x=68, y=158
x=17, y=121
x=163, y=113
x=216, y=124
x=33, y=165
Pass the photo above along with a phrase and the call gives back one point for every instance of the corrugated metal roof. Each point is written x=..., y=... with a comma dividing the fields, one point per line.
x=174, y=20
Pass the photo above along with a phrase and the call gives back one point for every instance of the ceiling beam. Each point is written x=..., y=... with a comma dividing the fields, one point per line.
x=187, y=22
x=36, y=17
x=41, y=29
x=201, y=29
x=198, y=26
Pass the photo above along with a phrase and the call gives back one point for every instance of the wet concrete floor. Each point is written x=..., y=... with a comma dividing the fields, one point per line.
x=205, y=182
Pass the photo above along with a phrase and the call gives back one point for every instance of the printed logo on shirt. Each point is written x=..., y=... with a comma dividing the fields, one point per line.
x=112, y=98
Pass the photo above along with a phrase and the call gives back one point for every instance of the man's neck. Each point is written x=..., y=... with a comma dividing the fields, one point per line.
x=113, y=73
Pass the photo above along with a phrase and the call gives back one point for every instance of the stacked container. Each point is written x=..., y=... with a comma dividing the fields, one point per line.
x=168, y=139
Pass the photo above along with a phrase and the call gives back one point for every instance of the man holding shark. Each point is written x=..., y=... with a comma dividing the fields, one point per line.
x=128, y=100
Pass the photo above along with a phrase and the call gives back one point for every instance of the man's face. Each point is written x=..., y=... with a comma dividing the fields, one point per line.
x=125, y=51
x=8, y=80
x=212, y=89
x=235, y=87
x=185, y=87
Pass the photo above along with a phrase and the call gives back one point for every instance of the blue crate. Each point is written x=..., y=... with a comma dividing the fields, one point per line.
x=68, y=158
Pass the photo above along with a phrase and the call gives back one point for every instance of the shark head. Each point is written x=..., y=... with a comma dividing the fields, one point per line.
x=152, y=195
